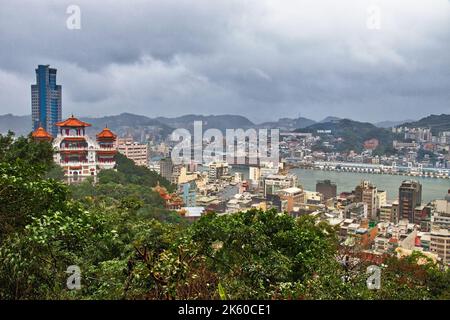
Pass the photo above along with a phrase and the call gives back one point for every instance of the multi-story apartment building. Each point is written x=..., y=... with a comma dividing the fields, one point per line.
x=381, y=244
x=166, y=168
x=381, y=199
x=440, y=244
x=361, y=234
x=386, y=213
x=177, y=171
x=293, y=196
x=355, y=211
x=217, y=170
x=441, y=214
x=275, y=182
x=327, y=188
x=154, y=166
x=189, y=194
x=395, y=217
x=254, y=174
x=46, y=108
x=138, y=152
x=409, y=197
x=366, y=192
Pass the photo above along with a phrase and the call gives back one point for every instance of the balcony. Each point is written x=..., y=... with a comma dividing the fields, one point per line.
x=107, y=148
x=81, y=148
x=75, y=163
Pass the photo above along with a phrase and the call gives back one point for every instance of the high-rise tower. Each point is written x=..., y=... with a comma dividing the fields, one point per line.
x=46, y=100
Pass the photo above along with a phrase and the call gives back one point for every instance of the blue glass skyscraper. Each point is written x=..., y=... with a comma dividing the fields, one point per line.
x=46, y=107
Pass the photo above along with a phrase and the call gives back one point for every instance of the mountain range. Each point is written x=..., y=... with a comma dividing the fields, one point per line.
x=127, y=123
x=138, y=125
x=220, y=122
x=21, y=125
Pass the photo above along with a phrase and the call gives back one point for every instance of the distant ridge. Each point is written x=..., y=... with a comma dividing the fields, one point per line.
x=20, y=125
x=288, y=124
x=220, y=122
x=330, y=119
x=437, y=123
x=128, y=124
x=139, y=125
x=391, y=124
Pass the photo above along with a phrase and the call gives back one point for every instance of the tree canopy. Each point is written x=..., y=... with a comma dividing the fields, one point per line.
x=128, y=246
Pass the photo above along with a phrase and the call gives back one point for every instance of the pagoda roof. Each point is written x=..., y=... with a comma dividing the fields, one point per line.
x=106, y=133
x=41, y=133
x=72, y=122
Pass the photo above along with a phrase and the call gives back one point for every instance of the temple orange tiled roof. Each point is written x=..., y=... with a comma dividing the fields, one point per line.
x=106, y=134
x=40, y=133
x=73, y=122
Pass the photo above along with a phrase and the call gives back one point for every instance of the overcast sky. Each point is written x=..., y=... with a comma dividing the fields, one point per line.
x=263, y=59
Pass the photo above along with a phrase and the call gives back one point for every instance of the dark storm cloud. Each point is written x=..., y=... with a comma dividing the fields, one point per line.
x=262, y=59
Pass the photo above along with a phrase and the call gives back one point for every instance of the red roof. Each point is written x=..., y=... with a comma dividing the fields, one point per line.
x=72, y=122
x=40, y=133
x=106, y=134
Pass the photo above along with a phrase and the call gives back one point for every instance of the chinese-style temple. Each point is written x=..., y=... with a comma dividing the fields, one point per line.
x=172, y=201
x=79, y=155
x=41, y=135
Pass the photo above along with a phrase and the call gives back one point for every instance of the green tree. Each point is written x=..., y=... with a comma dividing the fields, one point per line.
x=24, y=195
x=128, y=172
x=256, y=252
x=39, y=154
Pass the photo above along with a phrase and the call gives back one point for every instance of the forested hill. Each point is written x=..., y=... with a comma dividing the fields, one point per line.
x=348, y=134
x=437, y=123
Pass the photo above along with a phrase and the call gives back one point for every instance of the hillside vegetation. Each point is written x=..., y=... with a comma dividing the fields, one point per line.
x=349, y=135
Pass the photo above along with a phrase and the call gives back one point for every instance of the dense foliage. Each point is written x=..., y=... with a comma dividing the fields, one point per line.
x=128, y=246
x=128, y=173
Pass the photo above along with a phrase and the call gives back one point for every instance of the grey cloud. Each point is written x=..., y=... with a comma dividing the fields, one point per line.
x=261, y=59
